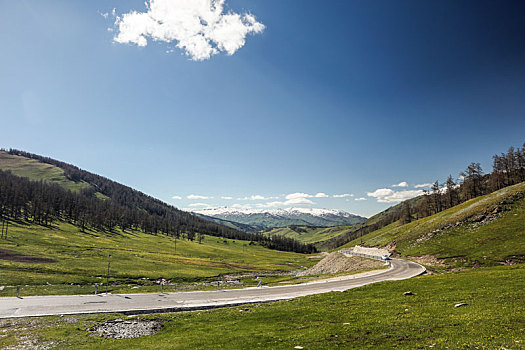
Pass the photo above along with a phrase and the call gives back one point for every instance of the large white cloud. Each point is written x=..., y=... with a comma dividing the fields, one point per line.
x=386, y=195
x=198, y=27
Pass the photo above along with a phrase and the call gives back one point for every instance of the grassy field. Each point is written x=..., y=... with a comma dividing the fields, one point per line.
x=309, y=234
x=36, y=171
x=136, y=259
x=490, y=243
x=376, y=316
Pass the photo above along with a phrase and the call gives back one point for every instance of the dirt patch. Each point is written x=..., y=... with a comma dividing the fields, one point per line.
x=336, y=262
x=428, y=260
x=126, y=329
x=6, y=254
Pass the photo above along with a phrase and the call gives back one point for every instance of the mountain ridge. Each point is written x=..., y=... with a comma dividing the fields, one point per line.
x=282, y=217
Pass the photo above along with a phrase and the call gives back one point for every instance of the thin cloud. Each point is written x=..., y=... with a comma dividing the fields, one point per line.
x=195, y=205
x=200, y=28
x=422, y=185
x=256, y=197
x=344, y=195
x=361, y=199
x=241, y=206
x=291, y=201
x=195, y=196
x=176, y=197
x=226, y=197
x=401, y=184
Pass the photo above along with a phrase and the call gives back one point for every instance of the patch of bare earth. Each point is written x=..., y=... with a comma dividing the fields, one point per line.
x=336, y=263
x=428, y=260
x=6, y=254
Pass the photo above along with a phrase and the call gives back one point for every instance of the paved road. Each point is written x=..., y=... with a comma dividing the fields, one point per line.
x=171, y=302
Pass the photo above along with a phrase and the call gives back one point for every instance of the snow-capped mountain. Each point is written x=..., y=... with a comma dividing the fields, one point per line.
x=269, y=218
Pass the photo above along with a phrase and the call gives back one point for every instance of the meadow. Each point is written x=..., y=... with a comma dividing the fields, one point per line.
x=137, y=260
x=377, y=316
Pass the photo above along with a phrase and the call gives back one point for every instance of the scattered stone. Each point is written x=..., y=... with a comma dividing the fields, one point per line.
x=2, y=287
x=346, y=323
x=460, y=305
x=298, y=347
x=408, y=293
x=120, y=329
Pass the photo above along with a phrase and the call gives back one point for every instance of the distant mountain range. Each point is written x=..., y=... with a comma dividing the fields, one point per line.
x=250, y=220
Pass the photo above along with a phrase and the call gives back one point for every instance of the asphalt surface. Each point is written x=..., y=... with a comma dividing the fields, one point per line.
x=185, y=301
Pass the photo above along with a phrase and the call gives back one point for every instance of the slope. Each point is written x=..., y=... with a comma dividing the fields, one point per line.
x=486, y=230
x=37, y=171
x=123, y=207
x=309, y=234
x=51, y=260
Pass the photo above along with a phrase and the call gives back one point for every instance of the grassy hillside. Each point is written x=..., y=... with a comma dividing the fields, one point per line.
x=236, y=225
x=377, y=316
x=137, y=258
x=485, y=230
x=36, y=171
x=310, y=234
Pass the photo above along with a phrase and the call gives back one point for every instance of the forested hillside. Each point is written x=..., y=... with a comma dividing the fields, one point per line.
x=44, y=202
x=508, y=169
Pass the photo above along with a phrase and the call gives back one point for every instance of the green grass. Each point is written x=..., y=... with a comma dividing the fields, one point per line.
x=377, y=316
x=37, y=171
x=82, y=258
x=309, y=234
x=500, y=240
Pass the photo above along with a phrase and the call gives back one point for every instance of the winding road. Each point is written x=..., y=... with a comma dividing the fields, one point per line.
x=186, y=301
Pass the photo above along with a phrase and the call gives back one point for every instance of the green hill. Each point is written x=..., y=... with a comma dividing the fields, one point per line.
x=310, y=234
x=37, y=171
x=485, y=230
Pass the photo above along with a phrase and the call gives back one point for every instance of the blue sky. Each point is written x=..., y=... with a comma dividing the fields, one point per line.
x=337, y=97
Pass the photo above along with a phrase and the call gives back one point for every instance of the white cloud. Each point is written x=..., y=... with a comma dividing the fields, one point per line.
x=401, y=184
x=241, y=206
x=198, y=27
x=386, y=195
x=176, y=197
x=195, y=196
x=361, y=199
x=298, y=201
x=255, y=197
x=343, y=195
x=422, y=185
x=226, y=197
x=194, y=205
x=291, y=201
x=298, y=195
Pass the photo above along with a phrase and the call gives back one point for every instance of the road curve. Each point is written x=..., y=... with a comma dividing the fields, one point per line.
x=185, y=301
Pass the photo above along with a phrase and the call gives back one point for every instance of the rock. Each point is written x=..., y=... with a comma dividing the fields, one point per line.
x=460, y=305
x=120, y=329
x=298, y=347
x=408, y=293
x=346, y=323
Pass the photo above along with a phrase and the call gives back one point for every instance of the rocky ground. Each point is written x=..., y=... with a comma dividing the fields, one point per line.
x=336, y=263
x=125, y=329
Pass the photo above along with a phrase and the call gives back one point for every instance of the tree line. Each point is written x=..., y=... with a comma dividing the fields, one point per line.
x=128, y=209
x=508, y=169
